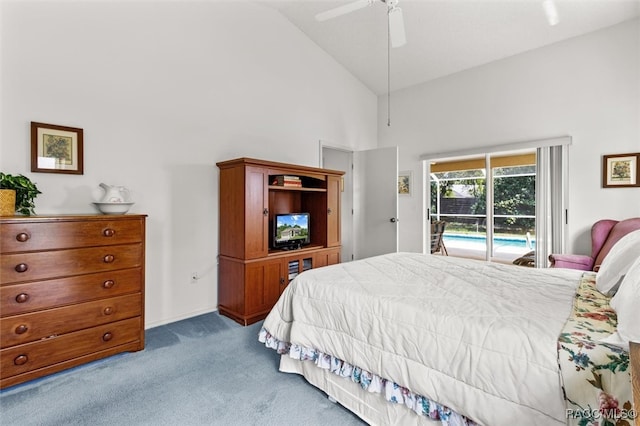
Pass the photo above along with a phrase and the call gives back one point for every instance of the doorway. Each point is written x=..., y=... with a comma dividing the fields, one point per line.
x=341, y=159
x=369, y=201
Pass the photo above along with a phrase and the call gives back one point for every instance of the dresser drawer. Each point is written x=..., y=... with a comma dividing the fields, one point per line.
x=33, y=296
x=32, y=236
x=19, y=267
x=25, y=328
x=34, y=355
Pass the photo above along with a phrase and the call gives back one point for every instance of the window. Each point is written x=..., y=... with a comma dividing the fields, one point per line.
x=460, y=195
x=524, y=184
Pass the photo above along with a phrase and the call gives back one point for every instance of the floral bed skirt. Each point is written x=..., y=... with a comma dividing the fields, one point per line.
x=391, y=391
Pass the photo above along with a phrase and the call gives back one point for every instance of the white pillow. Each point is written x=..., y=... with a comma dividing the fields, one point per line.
x=617, y=263
x=625, y=303
x=616, y=340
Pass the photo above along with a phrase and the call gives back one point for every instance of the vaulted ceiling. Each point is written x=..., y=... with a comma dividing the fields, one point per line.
x=444, y=36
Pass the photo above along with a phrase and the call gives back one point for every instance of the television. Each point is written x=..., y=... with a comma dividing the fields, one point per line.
x=290, y=230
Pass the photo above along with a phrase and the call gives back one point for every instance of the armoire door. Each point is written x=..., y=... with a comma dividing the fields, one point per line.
x=256, y=212
x=262, y=285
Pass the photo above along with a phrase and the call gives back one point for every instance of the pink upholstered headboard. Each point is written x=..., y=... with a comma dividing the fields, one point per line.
x=618, y=231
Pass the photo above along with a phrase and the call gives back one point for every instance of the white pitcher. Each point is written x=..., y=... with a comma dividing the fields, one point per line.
x=114, y=194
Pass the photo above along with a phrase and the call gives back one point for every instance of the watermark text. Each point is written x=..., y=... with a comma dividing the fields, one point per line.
x=597, y=414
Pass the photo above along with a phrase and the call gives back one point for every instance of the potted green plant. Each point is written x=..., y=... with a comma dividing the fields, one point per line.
x=25, y=192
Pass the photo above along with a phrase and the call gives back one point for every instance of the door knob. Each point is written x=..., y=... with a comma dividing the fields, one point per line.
x=393, y=220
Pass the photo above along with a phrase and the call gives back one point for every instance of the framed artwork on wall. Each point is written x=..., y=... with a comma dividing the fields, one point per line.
x=56, y=149
x=620, y=170
x=404, y=183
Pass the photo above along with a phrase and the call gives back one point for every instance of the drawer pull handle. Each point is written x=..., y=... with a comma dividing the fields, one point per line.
x=107, y=336
x=21, y=360
x=22, y=237
x=109, y=258
x=21, y=267
x=109, y=232
x=21, y=329
x=22, y=298
x=108, y=284
x=108, y=310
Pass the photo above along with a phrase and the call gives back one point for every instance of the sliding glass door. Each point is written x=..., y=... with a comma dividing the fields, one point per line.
x=514, y=208
x=524, y=185
x=457, y=200
x=488, y=204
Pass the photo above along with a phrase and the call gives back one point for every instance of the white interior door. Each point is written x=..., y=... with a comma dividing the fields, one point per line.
x=375, y=200
x=342, y=159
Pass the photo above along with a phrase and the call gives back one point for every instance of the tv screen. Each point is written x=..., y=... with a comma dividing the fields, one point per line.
x=291, y=230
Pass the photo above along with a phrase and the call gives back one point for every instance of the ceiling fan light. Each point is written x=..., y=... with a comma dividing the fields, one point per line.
x=551, y=12
x=396, y=27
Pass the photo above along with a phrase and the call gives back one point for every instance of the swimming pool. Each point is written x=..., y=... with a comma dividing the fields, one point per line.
x=474, y=240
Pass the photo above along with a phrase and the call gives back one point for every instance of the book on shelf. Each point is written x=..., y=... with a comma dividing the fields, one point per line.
x=289, y=184
x=284, y=180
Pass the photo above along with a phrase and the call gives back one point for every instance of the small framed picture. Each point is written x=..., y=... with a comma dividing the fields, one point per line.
x=56, y=149
x=404, y=183
x=620, y=170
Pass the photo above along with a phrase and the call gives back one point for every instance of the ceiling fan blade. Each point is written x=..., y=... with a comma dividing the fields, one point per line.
x=343, y=10
x=396, y=27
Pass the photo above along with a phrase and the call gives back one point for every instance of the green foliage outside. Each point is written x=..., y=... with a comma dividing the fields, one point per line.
x=513, y=196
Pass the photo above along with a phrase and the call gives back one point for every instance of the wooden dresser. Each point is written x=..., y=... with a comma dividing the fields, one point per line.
x=71, y=291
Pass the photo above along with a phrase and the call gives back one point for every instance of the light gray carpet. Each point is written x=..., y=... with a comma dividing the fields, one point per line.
x=205, y=370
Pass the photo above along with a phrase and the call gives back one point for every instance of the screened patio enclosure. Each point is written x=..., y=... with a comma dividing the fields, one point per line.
x=497, y=191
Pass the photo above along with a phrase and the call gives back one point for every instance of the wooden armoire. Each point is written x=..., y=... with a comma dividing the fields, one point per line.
x=251, y=272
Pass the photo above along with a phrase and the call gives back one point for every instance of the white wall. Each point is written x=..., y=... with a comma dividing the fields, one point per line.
x=587, y=87
x=164, y=90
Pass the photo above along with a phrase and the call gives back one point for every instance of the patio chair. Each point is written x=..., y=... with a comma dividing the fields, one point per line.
x=437, y=243
x=604, y=234
x=528, y=259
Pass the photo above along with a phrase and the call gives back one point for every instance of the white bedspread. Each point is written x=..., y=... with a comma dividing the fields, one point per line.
x=477, y=337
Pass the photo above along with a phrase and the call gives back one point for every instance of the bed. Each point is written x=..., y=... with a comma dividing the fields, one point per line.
x=407, y=338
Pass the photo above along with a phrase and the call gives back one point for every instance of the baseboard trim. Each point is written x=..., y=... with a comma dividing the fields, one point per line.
x=178, y=318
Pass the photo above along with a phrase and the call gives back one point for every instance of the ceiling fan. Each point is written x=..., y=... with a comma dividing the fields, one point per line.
x=396, y=22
